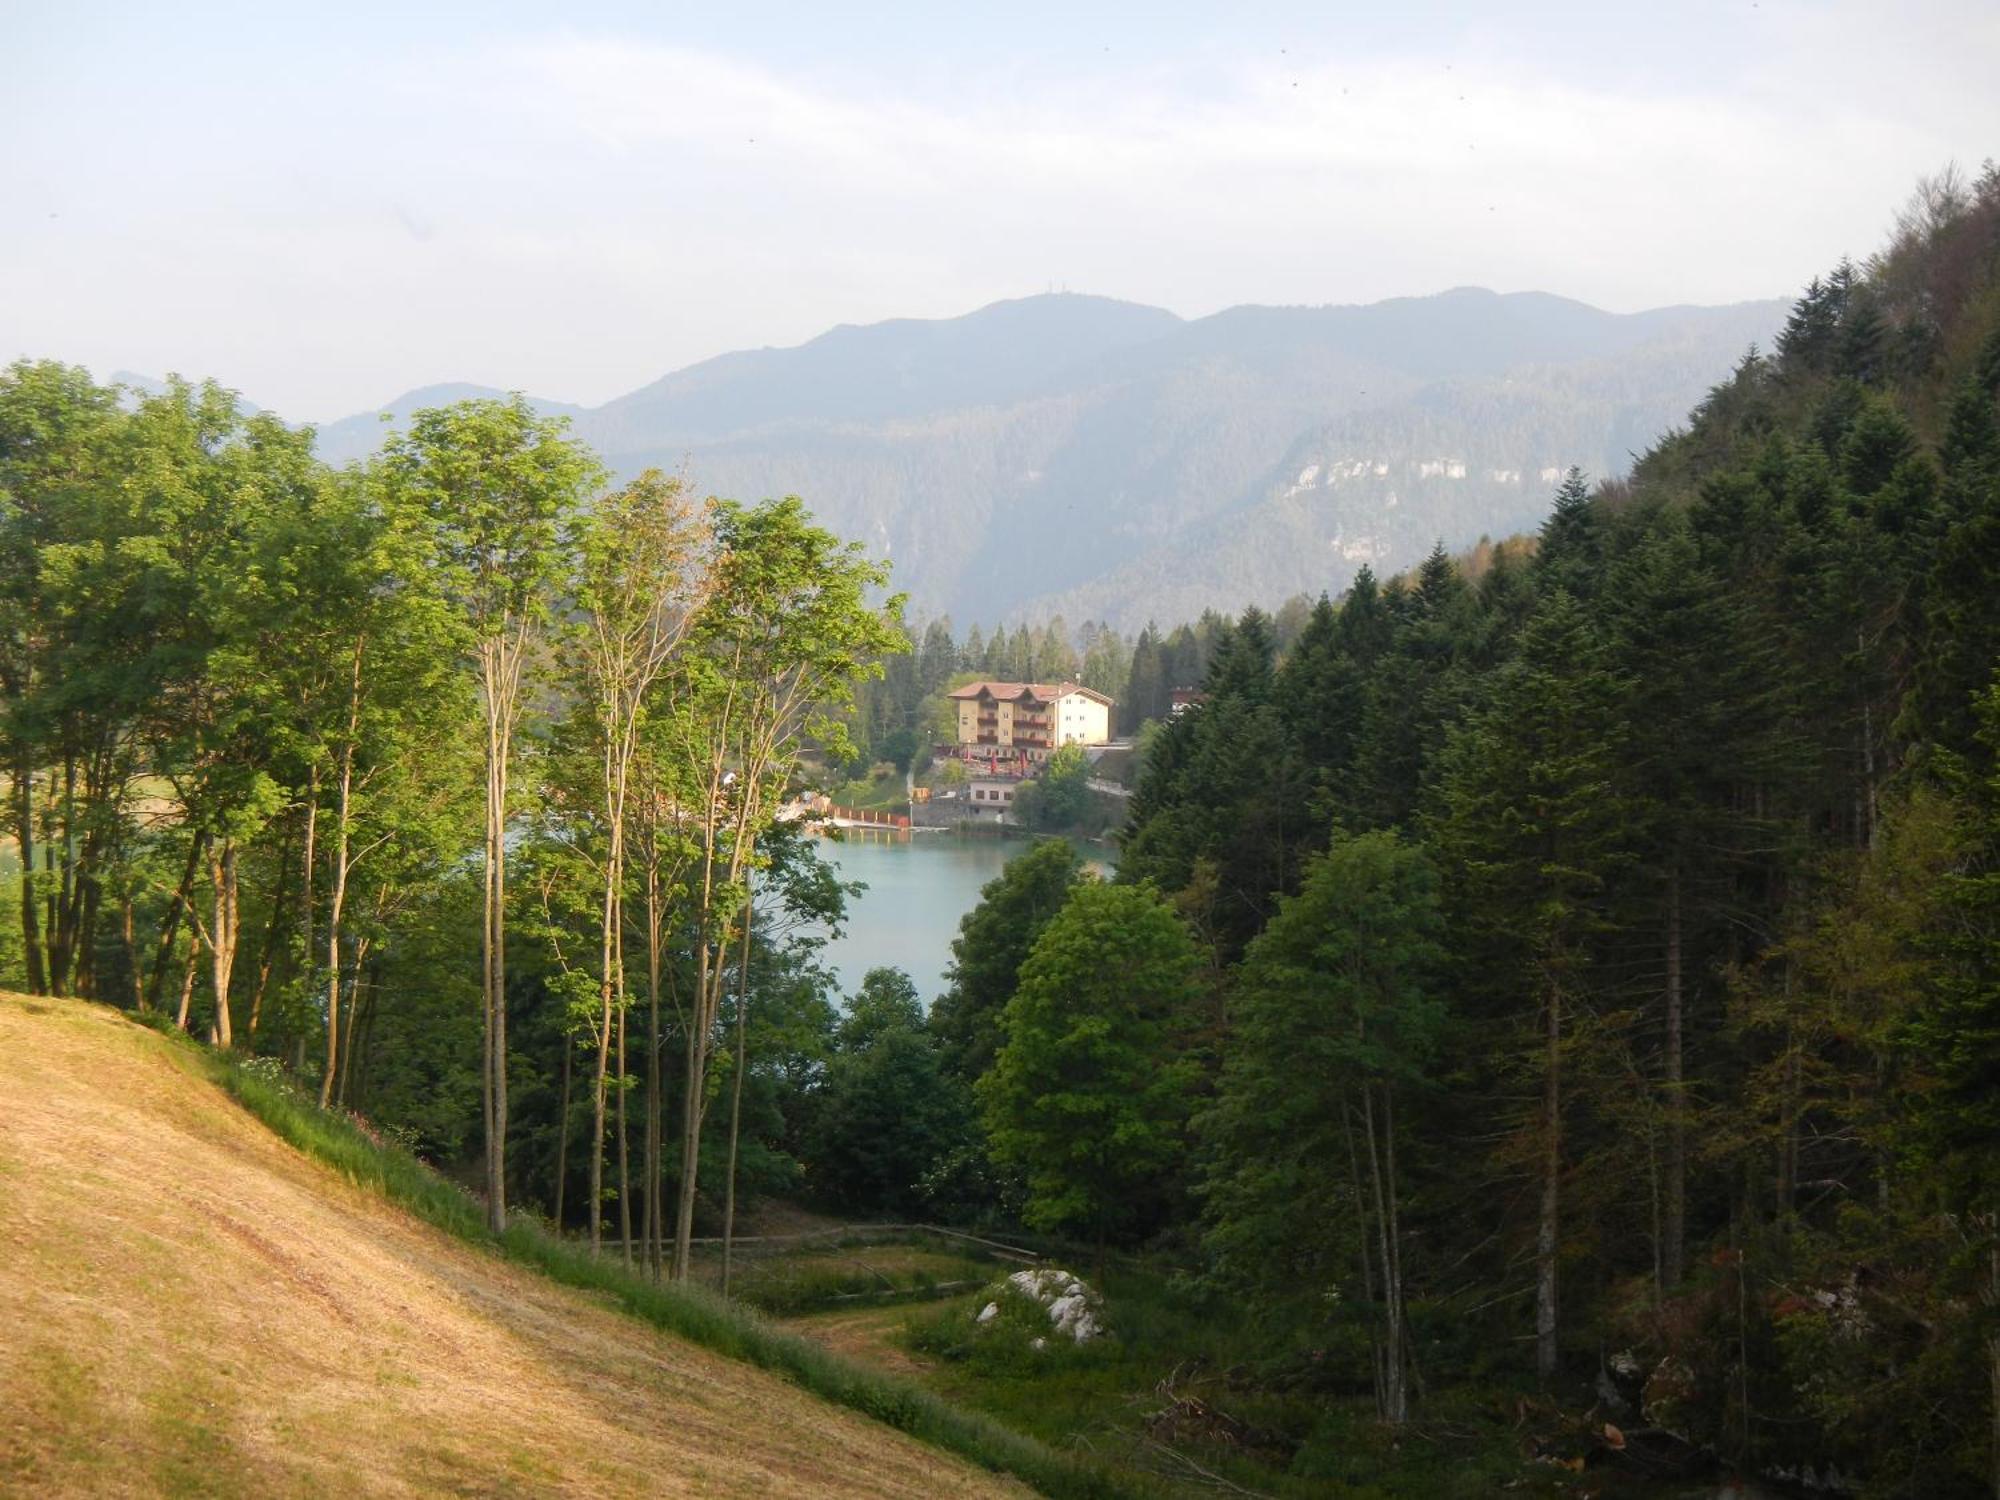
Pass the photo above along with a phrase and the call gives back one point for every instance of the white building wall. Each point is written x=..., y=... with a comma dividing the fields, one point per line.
x=1081, y=720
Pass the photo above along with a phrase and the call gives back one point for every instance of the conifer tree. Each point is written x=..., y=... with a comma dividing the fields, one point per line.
x=1571, y=553
x=1533, y=827
x=1806, y=342
x=1334, y=1025
x=1704, y=723
x=1319, y=693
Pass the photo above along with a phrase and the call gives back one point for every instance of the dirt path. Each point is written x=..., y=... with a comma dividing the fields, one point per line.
x=187, y=1306
x=869, y=1336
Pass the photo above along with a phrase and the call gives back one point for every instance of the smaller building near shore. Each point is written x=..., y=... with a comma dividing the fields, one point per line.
x=1023, y=723
x=990, y=794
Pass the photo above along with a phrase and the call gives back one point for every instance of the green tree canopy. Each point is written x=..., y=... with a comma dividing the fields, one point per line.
x=1087, y=1097
x=888, y=1114
x=994, y=940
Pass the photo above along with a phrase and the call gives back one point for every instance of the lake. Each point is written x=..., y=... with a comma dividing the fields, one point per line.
x=918, y=888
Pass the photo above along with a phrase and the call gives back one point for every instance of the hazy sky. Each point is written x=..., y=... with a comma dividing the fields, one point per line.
x=325, y=206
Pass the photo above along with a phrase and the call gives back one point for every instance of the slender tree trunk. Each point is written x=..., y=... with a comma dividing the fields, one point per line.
x=490, y=858
x=655, y=1165
x=51, y=901
x=1547, y=1232
x=170, y=924
x=360, y=1049
x=309, y=865
x=101, y=841
x=711, y=976
x=267, y=960
x=1412, y=1380
x=752, y=764
x=500, y=663
x=693, y=1105
x=624, y=1155
x=222, y=872
x=1395, y=1402
x=498, y=1156
x=89, y=896
x=562, y=1131
x=61, y=850
x=31, y=916
x=1378, y=1369
x=187, y=982
x=355, y=989
x=736, y=1095
x=1674, y=1251
x=691, y=1117
x=128, y=932
x=606, y=988
x=343, y=828
x=620, y=716
x=74, y=883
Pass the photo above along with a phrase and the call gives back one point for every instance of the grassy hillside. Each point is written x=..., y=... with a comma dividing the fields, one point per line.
x=192, y=1307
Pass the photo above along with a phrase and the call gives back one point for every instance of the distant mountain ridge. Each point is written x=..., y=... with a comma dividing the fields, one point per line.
x=1111, y=460
x=359, y=435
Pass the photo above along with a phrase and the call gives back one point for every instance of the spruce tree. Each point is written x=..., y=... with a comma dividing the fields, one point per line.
x=1334, y=1024
x=1533, y=827
x=1704, y=714
x=1572, y=546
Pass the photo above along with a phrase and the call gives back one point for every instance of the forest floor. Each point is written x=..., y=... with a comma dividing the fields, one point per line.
x=1180, y=1401
x=189, y=1306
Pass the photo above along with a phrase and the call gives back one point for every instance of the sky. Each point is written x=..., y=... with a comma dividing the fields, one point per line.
x=326, y=205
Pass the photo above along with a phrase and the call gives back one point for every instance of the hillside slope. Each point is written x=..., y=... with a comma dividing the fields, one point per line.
x=189, y=1306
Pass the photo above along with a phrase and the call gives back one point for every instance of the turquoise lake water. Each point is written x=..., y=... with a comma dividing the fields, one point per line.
x=918, y=889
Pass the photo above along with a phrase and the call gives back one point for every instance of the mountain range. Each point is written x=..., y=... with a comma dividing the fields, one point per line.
x=1101, y=459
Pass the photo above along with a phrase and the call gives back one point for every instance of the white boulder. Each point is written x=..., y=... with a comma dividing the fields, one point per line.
x=1074, y=1309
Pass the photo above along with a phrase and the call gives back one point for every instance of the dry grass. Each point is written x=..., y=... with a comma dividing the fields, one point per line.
x=188, y=1306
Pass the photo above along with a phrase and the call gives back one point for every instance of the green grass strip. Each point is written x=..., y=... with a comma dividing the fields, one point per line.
x=692, y=1313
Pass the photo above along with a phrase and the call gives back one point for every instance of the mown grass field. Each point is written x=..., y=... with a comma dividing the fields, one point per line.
x=192, y=1306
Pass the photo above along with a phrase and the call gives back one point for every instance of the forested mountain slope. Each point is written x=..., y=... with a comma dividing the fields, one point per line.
x=1609, y=943
x=1114, y=461
x=190, y=1306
